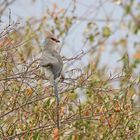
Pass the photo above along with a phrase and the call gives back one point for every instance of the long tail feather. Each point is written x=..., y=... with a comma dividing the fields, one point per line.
x=57, y=101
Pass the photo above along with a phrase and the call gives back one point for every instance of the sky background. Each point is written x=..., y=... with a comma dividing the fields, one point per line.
x=98, y=10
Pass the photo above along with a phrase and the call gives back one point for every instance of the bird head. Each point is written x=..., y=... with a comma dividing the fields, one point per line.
x=49, y=41
x=50, y=37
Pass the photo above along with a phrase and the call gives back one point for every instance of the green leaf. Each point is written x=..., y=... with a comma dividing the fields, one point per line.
x=127, y=9
x=36, y=136
x=91, y=38
x=49, y=102
x=138, y=137
x=106, y=31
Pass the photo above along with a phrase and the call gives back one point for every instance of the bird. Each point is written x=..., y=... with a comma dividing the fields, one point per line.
x=52, y=64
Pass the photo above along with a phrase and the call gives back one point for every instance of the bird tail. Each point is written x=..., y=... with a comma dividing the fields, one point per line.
x=55, y=85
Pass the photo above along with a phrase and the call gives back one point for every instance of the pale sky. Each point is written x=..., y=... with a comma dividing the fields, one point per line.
x=90, y=9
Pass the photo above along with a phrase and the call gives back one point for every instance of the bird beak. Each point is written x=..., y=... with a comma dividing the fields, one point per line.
x=54, y=39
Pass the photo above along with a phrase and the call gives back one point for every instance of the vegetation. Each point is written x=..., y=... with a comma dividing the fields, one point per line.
x=27, y=102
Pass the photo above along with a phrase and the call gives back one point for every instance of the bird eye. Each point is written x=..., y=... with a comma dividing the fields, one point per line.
x=49, y=65
x=54, y=39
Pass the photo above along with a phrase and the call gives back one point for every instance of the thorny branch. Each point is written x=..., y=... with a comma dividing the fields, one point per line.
x=4, y=4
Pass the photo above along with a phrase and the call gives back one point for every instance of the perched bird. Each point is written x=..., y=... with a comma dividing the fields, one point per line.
x=52, y=64
x=51, y=60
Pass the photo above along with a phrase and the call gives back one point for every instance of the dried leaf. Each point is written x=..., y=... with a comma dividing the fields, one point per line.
x=137, y=55
x=55, y=133
x=29, y=91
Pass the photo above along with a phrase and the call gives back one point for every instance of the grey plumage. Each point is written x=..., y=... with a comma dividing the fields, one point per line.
x=51, y=60
x=52, y=64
